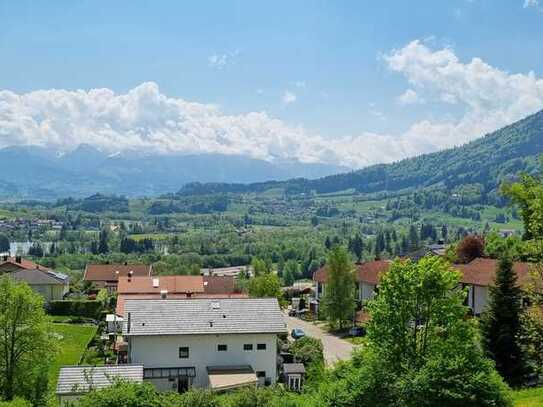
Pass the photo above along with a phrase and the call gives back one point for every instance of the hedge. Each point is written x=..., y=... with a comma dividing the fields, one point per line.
x=85, y=308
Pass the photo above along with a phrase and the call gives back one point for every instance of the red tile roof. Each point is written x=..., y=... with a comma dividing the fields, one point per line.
x=368, y=272
x=23, y=264
x=151, y=285
x=482, y=272
x=112, y=272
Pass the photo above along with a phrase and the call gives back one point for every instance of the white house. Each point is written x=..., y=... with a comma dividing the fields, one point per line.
x=214, y=343
x=75, y=381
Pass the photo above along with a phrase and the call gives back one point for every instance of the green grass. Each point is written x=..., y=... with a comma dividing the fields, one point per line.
x=528, y=397
x=72, y=342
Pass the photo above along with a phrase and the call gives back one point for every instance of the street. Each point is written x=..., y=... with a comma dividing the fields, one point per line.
x=334, y=348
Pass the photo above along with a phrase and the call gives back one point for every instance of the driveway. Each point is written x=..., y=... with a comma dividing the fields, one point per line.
x=334, y=348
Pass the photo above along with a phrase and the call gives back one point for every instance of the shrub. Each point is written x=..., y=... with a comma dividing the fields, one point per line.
x=85, y=308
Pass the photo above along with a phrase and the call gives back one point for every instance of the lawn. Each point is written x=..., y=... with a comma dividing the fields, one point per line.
x=72, y=341
x=529, y=397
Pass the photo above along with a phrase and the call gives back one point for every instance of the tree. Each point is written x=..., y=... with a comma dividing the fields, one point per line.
x=501, y=325
x=26, y=348
x=4, y=244
x=469, y=248
x=357, y=247
x=265, y=285
x=103, y=247
x=421, y=351
x=338, y=301
x=291, y=272
x=259, y=266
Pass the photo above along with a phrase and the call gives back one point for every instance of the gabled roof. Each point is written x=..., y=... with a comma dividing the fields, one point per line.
x=368, y=272
x=80, y=379
x=482, y=272
x=157, y=284
x=112, y=272
x=22, y=264
x=37, y=277
x=203, y=316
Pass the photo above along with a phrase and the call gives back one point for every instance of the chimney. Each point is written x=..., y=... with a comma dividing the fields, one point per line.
x=5, y=257
x=130, y=275
x=163, y=294
x=18, y=259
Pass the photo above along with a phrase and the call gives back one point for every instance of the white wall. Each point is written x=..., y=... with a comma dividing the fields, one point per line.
x=481, y=298
x=163, y=351
x=365, y=291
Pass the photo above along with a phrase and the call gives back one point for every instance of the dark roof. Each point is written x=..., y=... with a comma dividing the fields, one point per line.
x=37, y=277
x=79, y=379
x=293, y=368
x=482, y=271
x=112, y=272
x=203, y=316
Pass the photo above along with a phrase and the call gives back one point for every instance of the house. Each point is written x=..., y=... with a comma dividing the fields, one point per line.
x=75, y=381
x=9, y=264
x=479, y=274
x=174, y=287
x=227, y=271
x=107, y=275
x=367, y=278
x=207, y=343
x=293, y=375
x=50, y=285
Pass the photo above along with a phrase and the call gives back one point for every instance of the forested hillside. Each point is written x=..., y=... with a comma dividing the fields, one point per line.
x=485, y=161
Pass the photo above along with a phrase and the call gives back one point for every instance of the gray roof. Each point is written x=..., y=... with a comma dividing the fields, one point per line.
x=80, y=379
x=290, y=368
x=37, y=277
x=203, y=316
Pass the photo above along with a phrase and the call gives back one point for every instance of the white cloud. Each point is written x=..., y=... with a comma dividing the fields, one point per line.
x=219, y=61
x=145, y=119
x=288, y=97
x=299, y=84
x=531, y=3
x=409, y=97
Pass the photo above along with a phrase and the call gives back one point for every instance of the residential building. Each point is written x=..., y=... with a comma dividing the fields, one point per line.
x=479, y=274
x=75, y=381
x=9, y=264
x=107, y=275
x=207, y=343
x=174, y=287
x=50, y=285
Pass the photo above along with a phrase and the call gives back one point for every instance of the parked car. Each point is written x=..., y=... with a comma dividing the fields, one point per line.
x=292, y=312
x=357, y=331
x=297, y=333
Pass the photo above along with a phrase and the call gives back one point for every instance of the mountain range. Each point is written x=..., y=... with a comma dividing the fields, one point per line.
x=486, y=161
x=41, y=173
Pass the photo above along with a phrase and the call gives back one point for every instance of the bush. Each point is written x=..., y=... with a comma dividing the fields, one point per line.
x=88, y=309
x=16, y=402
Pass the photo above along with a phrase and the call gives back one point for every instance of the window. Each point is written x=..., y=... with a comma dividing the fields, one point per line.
x=183, y=352
x=261, y=346
x=260, y=374
x=222, y=348
x=248, y=347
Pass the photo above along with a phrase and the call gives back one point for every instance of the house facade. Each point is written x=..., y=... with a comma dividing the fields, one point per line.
x=51, y=286
x=207, y=343
x=107, y=275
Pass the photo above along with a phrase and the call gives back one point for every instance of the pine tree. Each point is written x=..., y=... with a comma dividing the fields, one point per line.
x=501, y=325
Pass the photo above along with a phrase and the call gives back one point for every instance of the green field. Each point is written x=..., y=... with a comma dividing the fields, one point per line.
x=72, y=341
x=529, y=397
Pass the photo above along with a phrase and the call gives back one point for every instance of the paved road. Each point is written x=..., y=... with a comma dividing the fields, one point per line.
x=334, y=348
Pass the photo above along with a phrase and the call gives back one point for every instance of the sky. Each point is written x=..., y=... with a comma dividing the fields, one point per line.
x=352, y=83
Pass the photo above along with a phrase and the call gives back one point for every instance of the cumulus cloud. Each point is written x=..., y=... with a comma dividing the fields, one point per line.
x=145, y=119
x=288, y=97
x=409, y=97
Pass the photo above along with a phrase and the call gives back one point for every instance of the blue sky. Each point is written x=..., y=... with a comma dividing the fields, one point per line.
x=324, y=69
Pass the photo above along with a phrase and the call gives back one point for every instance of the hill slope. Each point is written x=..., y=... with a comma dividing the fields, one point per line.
x=485, y=161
